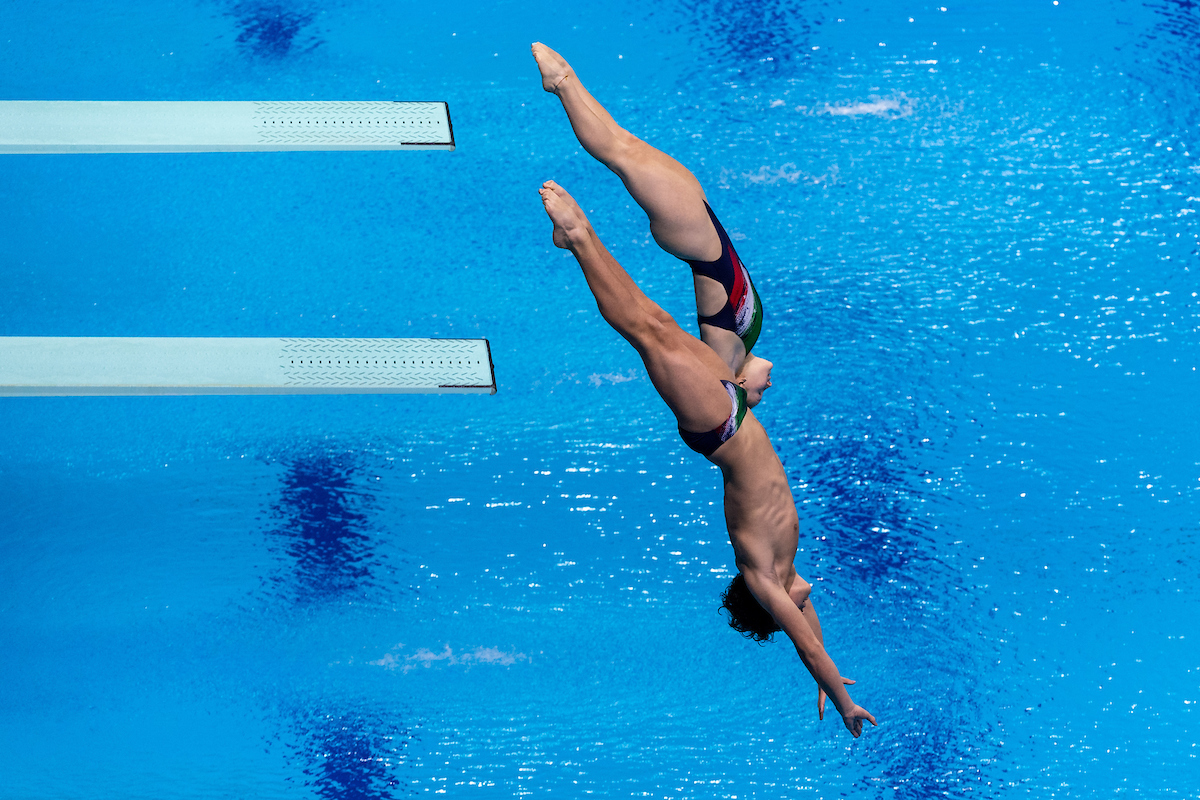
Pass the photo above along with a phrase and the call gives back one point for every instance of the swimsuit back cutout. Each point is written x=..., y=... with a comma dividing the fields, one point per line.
x=742, y=312
x=706, y=443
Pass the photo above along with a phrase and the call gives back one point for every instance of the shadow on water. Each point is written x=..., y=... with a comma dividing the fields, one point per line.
x=273, y=31
x=1173, y=44
x=771, y=34
x=351, y=756
x=858, y=490
x=946, y=759
x=323, y=531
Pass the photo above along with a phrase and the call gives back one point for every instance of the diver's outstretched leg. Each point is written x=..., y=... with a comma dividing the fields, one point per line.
x=686, y=373
x=669, y=194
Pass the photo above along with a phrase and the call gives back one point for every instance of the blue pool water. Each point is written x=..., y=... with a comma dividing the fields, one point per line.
x=974, y=229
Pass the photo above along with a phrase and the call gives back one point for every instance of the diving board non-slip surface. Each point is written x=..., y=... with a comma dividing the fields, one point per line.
x=167, y=126
x=60, y=366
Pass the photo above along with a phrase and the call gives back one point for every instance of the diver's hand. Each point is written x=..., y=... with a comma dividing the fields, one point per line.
x=853, y=718
x=821, y=698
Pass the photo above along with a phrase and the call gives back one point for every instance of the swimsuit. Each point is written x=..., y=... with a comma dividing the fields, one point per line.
x=742, y=312
x=706, y=443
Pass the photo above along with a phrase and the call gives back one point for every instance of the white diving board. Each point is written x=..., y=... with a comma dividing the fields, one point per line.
x=169, y=126
x=66, y=366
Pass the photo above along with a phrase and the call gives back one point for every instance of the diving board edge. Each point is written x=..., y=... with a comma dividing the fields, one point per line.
x=168, y=391
x=199, y=126
x=18, y=150
x=96, y=366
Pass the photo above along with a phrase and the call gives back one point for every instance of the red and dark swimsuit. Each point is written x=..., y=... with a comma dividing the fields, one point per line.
x=742, y=312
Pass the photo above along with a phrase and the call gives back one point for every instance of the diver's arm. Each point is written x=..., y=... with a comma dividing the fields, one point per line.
x=810, y=616
x=774, y=598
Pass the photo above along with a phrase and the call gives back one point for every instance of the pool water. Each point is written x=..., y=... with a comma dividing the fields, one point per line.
x=974, y=230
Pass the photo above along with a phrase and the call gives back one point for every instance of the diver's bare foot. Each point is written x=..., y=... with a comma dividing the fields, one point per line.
x=554, y=68
x=571, y=227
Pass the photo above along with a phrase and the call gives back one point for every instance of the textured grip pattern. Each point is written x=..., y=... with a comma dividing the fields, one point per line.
x=344, y=123
x=386, y=362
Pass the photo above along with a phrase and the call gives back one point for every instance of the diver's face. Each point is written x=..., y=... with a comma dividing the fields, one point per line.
x=755, y=379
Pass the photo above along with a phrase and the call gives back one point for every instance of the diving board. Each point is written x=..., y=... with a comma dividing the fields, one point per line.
x=170, y=126
x=61, y=366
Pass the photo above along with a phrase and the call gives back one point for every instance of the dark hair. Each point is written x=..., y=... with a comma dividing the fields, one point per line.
x=746, y=616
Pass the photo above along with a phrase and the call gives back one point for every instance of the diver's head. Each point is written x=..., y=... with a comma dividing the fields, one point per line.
x=755, y=378
x=746, y=616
